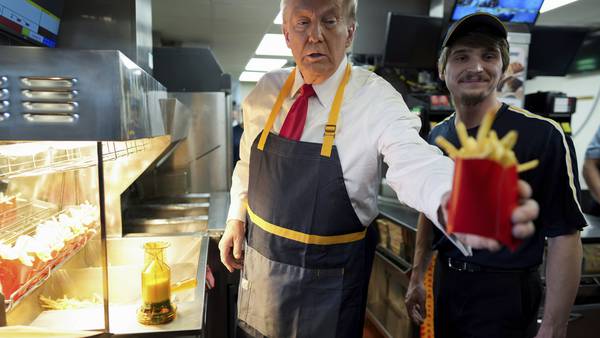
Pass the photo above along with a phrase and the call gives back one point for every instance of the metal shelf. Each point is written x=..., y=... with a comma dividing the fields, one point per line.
x=114, y=150
x=28, y=159
x=27, y=215
x=40, y=158
x=38, y=279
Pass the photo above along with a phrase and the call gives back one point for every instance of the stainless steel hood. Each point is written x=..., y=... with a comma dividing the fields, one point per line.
x=63, y=95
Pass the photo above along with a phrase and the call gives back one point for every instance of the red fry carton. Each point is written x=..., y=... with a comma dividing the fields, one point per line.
x=484, y=194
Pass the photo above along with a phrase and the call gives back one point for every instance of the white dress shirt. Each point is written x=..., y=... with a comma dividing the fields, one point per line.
x=373, y=121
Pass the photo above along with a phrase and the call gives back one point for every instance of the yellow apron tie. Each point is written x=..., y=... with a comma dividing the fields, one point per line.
x=330, y=128
x=427, y=330
x=304, y=237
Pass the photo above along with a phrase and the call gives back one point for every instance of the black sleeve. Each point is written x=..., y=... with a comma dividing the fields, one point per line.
x=435, y=132
x=429, y=136
x=560, y=211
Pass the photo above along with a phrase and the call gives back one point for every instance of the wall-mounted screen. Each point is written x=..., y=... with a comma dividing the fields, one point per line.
x=516, y=11
x=547, y=60
x=587, y=58
x=412, y=41
x=36, y=21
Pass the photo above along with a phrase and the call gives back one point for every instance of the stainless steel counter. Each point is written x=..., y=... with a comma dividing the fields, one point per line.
x=217, y=213
x=186, y=256
x=399, y=213
x=591, y=233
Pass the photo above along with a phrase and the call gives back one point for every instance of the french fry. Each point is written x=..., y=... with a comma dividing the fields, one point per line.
x=461, y=130
x=527, y=166
x=485, y=126
x=510, y=139
x=493, y=137
x=447, y=146
x=513, y=158
x=471, y=146
x=509, y=158
x=486, y=145
x=486, y=148
x=498, y=153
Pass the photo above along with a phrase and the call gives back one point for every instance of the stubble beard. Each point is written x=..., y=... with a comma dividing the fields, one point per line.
x=470, y=100
x=473, y=99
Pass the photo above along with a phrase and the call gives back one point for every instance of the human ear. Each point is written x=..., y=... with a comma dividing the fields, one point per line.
x=350, y=29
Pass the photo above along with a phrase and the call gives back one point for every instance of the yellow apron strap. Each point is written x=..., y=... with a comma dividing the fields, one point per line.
x=427, y=330
x=331, y=125
x=285, y=91
x=301, y=236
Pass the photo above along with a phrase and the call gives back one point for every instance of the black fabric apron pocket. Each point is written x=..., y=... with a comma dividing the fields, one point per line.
x=282, y=300
x=320, y=303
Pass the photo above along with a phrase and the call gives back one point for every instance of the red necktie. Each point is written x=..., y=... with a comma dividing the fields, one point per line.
x=296, y=117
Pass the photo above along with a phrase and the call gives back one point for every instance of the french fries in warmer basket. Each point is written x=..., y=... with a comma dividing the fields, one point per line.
x=486, y=146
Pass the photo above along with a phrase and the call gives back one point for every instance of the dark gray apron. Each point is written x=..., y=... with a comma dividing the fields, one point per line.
x=308, y=257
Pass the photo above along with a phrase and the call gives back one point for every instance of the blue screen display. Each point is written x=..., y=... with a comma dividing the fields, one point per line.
x=36, y=21
x=518, y=11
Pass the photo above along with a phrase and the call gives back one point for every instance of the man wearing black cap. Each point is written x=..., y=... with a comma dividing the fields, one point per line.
x=497, y=294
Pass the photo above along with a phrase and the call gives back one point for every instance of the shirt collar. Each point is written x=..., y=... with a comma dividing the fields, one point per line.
x=326, y=90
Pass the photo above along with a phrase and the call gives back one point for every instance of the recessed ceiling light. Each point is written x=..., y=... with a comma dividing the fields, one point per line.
x=273, y=44
x=265, y=65
x=278, y=19
x=552, y=4
x=251, y=76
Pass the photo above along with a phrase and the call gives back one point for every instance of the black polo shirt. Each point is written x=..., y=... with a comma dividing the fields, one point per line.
x=554, y=181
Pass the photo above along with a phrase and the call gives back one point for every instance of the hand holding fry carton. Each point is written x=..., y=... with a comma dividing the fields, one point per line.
x=484, y=189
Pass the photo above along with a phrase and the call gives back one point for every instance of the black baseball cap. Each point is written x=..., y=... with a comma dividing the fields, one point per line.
x=476, y=22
